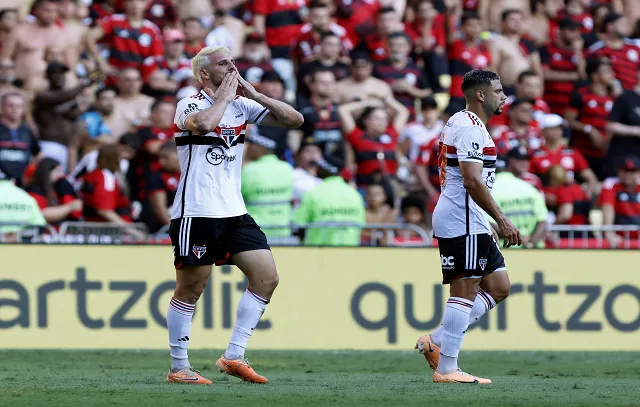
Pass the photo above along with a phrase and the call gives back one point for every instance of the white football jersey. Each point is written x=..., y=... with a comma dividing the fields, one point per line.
x=463, y=138
x=211, y=163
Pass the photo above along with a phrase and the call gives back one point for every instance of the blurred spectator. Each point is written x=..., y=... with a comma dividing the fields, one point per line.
x=568, y=200
x=374, y=138
x=556, y=152
x=464, y=54
x=421, y=132
x=8, y=23
x=272, y=85
x=55, y=195
x=94, y=119
x=279, y=22
x=132, y=108
x=8, y=80
x=194, y=34
x=624, y=125
x=518, y=164
x=129, y=38
x=332, y=201
x=519, y=132
x=327, y=58
x=564, y=65
x=267, y=186
x=432, y=39
x=74, y=32
x=321, y=122
x=427, y=171
x=577, y=12
x=28, y=42
x=161, y=187
x=405, y=78
x=17, y=143
x=412, y=211
x=588, y=112
x=522, y=203
x=305, y=176
x=511, y=53
x=378, y=211
x=56, y=113
x=541, y=23
x=493, y=12
x=254, y=62
x=530, y=87
x=307, y=45
x=17, y=208
x=599, y=12
x=161, y=13
x=357, y=16
x=623, y=53
x=164, y=75
x=361, y=85
x=126, y=148
x=387, y=23
x=620, y=199
x=226, y=30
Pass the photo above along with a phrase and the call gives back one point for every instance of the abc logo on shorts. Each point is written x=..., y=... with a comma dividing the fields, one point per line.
x=216, y=155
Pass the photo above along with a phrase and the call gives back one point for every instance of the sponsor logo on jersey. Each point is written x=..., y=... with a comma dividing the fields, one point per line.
x=447, y=262
x=191, y=108
x=216, y=156
x=475, y=154
x=199, y=250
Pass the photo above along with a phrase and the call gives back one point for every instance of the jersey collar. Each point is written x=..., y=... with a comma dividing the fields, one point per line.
x=203, y=93
x=476, y=116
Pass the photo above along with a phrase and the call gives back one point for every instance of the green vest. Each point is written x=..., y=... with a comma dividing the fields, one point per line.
x=267, y=189
x=332, y=201
x=521, y=202
x=17, y=206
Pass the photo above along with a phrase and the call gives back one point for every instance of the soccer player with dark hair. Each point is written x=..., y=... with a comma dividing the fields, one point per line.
x=469, y=254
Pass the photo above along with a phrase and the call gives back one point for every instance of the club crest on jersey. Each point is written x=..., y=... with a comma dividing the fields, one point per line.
x=228, y=135
x=199, y=250
x=482, y=263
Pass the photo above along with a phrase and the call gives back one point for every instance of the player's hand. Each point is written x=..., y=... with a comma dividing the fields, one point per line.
x=75, y=205
x=227, y=89
x=247, y=89
x=509, y=233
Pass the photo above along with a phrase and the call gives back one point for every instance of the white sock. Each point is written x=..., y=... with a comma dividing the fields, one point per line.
x=248, y=314
x=454, y=324
x=179, y=324
x=484, y=303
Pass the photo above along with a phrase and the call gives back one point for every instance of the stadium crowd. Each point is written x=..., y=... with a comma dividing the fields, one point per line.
x=88, y=92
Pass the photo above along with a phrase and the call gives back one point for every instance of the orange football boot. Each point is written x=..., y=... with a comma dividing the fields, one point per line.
x=431, y=351
x=240, y=368
x=458, y=376
x=187, y=375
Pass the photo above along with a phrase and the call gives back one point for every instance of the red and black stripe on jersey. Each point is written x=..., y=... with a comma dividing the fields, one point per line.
x=374, y=155
x=411, y=73
x=453, y=162
x=161, y=13
x=626, y=203
x=463, y=59
x=625, y=61
x=322, y=127
x=282, y=24
x=557, y=94
x=130, y=46
x=594, y=110
x=573, y=194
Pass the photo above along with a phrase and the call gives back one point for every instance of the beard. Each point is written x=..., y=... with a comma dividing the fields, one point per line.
x=498, y=111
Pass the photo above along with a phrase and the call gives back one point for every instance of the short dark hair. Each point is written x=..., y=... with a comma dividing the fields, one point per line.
x=192, y=18
x=525, y=74
x=477, y=78
x=387, y=9
x=368, y=111
x=469, y=15
x=412, y=201
x=158, y=102
x=519, y=102
x=328, y=34
x=594, y=65
x=320, y=70
x=399, y=34
x=100, y=91
x=317, y=4
x=505, y=14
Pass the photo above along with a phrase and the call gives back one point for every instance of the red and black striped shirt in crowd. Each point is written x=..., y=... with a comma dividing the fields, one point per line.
x=411, y=73
x=428, y=157
x=585, y=20
x=540, y=108
x=322, y=127
x=129, y=46
x=592, y=109
x=282, y=24
x=568, y=158
x=144, y=162
x=180, y=73
x=625, y=60
x=572, y=194
x=159, y=182
x=252, y=71
x=507, y=138
x=377, y=45
x=462, y=59
x=307, y=44
x=162, y=13
x=100, y=190
x=63, y=193
x=358, y=17
x=374, y=156
x=557, y=94
x=625, y=202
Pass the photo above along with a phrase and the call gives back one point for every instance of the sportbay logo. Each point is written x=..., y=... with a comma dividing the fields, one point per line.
x=216, y=155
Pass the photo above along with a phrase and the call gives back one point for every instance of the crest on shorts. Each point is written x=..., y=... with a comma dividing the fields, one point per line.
x=199, y=250
x=482, y=263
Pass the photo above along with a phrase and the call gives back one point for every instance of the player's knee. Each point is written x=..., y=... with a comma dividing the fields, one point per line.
x=501, y=291
x=190, y=293
x=271, y=281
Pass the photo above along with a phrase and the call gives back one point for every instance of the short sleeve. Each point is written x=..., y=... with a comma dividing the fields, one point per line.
x=579, y=161
x=154, y=183
x=186, y=107
x=469, y=144
x=253, y=110
x=607, y=197
x=564, y=196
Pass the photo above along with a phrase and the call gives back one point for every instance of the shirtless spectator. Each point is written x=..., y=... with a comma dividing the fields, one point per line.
x=17, y=143
x=132, y=108
x=492, y=11
x=361, y=85
x=74, y=32
x=307, y=45
x=254, y=60
x=8, y=23
x=379, y=210
x=226, y=30
x=511, y=53
x=327, y=58
x=164, y=75
x=29, y=41
x=56, y=114
x=194, y=34
x=129, y=38
x=543, y=12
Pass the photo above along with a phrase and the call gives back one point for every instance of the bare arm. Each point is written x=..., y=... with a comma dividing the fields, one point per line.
x=10, y=46
x=280, y=114
x=608, y=219
x=159, y=80
x=54, y=214
x=423, y=179
x=259, y=21
x=591, y=179
x=158, y=203
x=205, y=121
x=400, y=114
x=496, y=53
x=538, y=234
x=536, y=64
x=564, y=213
x=346, y=112
x=479, y=192
x=51, y=98
x=620, y=129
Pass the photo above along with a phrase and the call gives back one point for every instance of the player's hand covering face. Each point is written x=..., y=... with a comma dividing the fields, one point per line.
x=227, y=89
x=247, y=89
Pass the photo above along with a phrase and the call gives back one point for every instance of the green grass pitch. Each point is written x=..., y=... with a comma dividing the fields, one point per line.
x=309, y=378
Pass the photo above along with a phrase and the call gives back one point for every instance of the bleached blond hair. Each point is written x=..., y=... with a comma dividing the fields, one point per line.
x=202, y=59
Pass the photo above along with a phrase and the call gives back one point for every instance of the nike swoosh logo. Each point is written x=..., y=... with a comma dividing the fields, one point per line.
x=473, y=382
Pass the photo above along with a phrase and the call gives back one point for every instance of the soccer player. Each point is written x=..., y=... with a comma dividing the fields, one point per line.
x=209, y=221
x=471, y=260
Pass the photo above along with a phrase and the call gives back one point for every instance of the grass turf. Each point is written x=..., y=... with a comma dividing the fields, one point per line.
x=305, y=378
